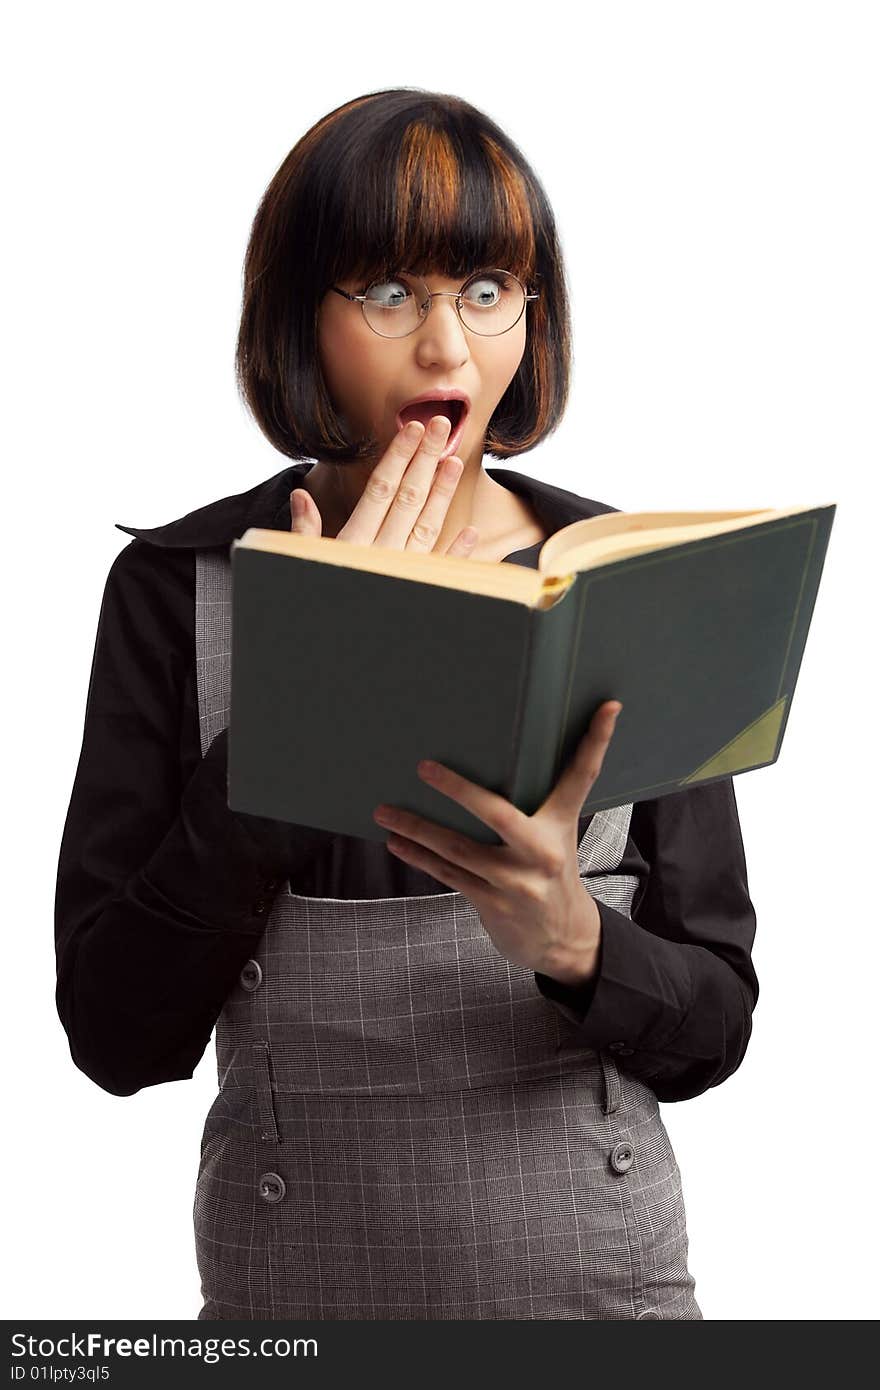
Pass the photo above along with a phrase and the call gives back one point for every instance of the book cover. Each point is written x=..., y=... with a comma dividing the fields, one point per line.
x=342, y=680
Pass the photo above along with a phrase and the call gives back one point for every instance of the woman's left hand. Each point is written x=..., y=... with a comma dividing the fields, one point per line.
x=527, y=890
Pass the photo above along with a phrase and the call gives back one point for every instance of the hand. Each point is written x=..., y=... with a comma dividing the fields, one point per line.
x=404, y=503
x=528, y=890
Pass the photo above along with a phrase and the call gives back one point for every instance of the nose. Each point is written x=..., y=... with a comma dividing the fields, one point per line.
x=442, y=336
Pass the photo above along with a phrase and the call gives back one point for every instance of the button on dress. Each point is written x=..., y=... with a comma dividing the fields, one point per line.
x=405, y=1128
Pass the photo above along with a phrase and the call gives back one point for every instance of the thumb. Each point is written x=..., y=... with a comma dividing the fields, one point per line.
x=305, y=519
x=582, y=772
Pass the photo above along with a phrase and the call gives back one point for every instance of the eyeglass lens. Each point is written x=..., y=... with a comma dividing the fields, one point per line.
x=491, y=303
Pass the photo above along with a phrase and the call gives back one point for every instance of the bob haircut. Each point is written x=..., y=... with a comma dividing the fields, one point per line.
x=396, y=179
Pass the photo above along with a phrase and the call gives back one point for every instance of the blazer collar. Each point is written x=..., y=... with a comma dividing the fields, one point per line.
x=268, y=506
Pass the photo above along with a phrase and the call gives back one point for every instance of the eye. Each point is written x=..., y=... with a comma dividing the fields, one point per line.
x=487, y=291
x=390, y=294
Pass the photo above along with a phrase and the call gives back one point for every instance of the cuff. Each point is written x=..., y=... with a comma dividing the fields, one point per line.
x=638, y=997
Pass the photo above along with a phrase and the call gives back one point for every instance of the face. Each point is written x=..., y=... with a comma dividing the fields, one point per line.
x=370, y=377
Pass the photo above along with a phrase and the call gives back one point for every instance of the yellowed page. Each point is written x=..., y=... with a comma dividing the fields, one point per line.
x=580, y=546
x=596, y=528
x=491, y=577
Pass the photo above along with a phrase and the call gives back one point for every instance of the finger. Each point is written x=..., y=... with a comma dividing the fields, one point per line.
x=305, y=519
x=407, y=508
x=513, y=827
x=453, y=875
x=381, y=488
x=453, y=859
x=578, y=779
x=427, y=528
x=464, y=543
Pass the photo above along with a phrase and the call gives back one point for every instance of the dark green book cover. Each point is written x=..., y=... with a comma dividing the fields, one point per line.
x=342, y=679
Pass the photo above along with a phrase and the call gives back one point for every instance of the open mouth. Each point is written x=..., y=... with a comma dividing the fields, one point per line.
x=424, y=411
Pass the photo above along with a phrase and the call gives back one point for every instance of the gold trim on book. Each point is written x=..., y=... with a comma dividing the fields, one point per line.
x=756, y=744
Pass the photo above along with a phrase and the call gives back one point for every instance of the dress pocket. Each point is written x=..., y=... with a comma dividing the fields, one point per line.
x=264, y=1091
x=228, y=1215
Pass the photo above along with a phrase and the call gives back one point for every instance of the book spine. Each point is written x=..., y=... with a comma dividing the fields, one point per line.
x=544, y=696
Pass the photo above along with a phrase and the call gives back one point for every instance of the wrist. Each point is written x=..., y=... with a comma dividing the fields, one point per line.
x=577, y=962
x=574, y=967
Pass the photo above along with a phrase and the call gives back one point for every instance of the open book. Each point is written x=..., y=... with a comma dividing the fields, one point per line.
x=351, y=663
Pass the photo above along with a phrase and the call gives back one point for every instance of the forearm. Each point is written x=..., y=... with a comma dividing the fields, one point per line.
x=143, y=977
x=674, y=987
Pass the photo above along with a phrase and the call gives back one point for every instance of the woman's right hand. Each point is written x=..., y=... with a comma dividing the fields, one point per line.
x=404, y=503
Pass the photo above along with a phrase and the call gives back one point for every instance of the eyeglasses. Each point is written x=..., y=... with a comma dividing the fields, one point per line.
x=489, y=302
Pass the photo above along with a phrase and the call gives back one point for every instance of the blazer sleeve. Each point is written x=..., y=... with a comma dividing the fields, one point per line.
x=161, y=890
x=675, y=988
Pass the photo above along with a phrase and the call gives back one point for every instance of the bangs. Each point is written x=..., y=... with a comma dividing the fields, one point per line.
x=431, y=202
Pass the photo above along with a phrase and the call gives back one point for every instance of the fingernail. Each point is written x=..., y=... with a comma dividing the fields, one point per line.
x=298, y=503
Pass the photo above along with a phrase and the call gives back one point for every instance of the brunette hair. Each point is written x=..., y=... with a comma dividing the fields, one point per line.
x=400, y=178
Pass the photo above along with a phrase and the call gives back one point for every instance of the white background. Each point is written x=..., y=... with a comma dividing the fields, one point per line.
x=713, y=170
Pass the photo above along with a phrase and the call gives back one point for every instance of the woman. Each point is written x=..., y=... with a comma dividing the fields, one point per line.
x=439, y=1063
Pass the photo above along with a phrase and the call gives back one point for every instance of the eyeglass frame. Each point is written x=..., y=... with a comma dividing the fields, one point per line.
x=433, y=294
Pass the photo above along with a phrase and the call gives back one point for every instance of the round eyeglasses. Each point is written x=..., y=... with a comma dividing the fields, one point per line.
x=489, y=302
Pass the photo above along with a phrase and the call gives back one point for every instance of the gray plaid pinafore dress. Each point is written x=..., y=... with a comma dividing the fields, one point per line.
x=405, y=1128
